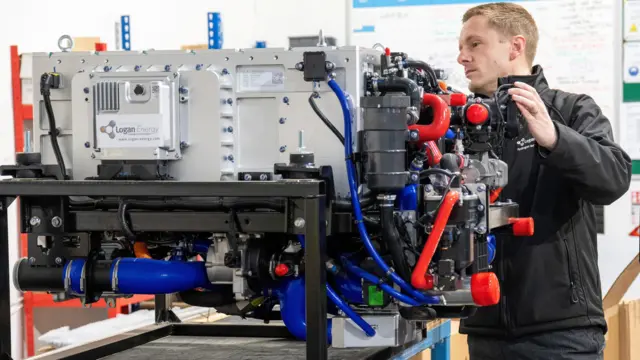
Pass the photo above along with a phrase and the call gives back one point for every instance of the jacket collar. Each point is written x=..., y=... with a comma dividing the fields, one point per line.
x=536, y=79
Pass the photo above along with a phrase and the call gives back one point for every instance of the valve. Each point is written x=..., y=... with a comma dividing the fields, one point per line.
x=477, y=114
x=485, y=289
x=281, y=270
x=522, y=226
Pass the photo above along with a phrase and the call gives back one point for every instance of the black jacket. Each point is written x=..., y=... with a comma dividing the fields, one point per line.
x=550, y=281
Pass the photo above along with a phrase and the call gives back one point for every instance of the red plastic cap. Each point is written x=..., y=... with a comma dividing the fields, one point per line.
x=457, y=99
x=485, y=289
x=281, y=270
x=101, y=46
x=522, y=226
x=477, y=114
x=387, y=51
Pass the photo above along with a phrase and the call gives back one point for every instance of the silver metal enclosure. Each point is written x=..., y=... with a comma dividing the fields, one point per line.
x=210, y=114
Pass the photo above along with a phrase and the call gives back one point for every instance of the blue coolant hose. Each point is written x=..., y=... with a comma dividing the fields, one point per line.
x=423, y=299
x=359, y=272
x=343, y=306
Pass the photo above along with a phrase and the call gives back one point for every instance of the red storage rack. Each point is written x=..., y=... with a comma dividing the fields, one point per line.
x=21, y=114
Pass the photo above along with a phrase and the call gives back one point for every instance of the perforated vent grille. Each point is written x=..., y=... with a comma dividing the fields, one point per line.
x=107, y=96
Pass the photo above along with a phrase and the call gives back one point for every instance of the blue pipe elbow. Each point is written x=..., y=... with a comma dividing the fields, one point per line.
x=292, y=309
x=409, y=198
x=148, y=276
x=491, y=247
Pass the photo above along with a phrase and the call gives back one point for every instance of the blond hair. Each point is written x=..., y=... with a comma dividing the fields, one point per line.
x=510, y=20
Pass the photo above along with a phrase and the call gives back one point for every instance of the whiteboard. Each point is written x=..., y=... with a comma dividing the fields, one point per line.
x=579, y=50
x=574, y=35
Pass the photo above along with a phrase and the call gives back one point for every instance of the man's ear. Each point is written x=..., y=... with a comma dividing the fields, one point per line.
x=518, y=46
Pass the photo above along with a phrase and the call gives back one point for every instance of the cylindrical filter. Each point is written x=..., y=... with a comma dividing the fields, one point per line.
x=383, y=142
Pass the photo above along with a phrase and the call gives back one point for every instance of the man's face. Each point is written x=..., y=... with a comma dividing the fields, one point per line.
x=485, y=55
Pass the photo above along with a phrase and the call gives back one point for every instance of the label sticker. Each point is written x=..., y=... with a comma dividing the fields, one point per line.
x=261, y=78
x=138, y=131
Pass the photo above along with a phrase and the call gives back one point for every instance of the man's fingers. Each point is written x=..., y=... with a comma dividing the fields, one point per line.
x=530, y=105
x=523, y=93
x=525, y=112
x=530, y=94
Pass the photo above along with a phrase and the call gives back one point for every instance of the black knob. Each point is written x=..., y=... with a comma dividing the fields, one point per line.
x=138, y=90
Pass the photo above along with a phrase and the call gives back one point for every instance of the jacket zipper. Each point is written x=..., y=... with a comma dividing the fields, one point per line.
x=572, y=284
x=504, y=314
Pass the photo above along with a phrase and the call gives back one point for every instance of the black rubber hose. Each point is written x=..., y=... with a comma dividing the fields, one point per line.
x=366, y=201
x=433, y=171
x=450, y=162
x=408, y=86
x=392, y=239
x=53, y=135
x=431, y=74
x=212, y=299
x=324, y=119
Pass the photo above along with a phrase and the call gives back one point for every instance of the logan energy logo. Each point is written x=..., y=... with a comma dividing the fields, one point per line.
x=112, y=130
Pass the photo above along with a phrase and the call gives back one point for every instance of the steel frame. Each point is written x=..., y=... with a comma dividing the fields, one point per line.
x=306, y=200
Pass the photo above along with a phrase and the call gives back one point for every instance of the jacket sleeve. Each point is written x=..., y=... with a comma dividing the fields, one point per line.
x=586, y=154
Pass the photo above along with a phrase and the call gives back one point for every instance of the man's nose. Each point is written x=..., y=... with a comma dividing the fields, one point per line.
x=463, y=57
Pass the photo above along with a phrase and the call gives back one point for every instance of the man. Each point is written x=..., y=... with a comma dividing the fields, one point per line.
x=562, y=164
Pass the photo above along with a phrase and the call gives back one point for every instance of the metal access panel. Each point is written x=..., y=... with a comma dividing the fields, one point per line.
x=208, y=115
x=134, y=115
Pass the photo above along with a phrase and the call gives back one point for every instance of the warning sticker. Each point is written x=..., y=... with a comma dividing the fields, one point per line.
x=113, y=131
x=261, y=78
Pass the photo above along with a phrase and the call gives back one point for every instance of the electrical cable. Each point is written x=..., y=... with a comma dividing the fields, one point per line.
x=356, y=204
x=46, y=81
x=324, y=119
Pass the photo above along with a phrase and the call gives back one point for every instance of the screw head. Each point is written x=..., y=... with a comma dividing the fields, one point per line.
x=229, y=101
x=58, y=261
x=285, y=100
x=86, y=90
x=32, y=260
x=56, y=221
x=299, y=223
x=183, y=90
x=480, y=207
x=136, y=68
x=299, y=66
x=247, y=177
x=198, y=67
x=34, y=221
x=263, y=177
x=107, y=68
x=283, y=148
x=230, y=129
x=283, y=120
x=225, y=71
x=414, y=135
x=414, y=177
x=87, y=144
x=167, y=68
x=230, y=157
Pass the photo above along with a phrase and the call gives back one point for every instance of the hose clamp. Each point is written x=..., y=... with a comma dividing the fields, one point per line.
x=67, y=277
x=114, y=278
x=83, y=278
